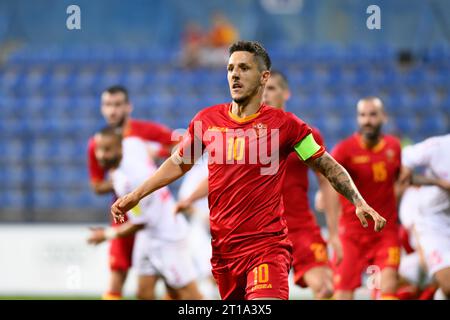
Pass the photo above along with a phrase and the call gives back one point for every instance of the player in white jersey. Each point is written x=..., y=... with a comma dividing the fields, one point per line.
x=414, y=283
x=199, y=234
x=432, y=223
x=161, y=248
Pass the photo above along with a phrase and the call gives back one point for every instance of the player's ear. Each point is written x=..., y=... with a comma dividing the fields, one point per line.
x=265, y=76
x=287, y=94
x=385, y=117
x=130, y=107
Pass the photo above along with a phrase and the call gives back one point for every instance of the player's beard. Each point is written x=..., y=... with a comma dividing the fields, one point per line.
x=373, y=134
x=244, y=100
x=118, y=124
x=111, y=163
x=121, y=122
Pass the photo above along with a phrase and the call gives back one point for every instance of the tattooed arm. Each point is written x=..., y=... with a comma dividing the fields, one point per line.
x=343, y=183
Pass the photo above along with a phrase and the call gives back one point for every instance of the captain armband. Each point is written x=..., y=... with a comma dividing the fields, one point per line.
x=307, y=147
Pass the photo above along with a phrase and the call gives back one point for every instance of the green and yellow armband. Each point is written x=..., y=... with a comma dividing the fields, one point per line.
x=307, y=147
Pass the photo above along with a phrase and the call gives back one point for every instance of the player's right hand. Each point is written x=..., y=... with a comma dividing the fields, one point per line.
x=363, y=210
x=122, y=205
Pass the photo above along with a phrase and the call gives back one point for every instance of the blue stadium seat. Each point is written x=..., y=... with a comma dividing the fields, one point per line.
x=49, y=199
x=439, y=53
x=424, y=102
x=435, y=124
x=346, y=126
x=415, y=77
x=406, y=125
x=15, y=176
x=13, y=151
x=12, y=199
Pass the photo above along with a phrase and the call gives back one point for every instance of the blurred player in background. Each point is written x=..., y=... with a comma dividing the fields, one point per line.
x=251, y=250
x=414, y=283
x=199, y=234
x=373, y=159
x=116, y=109
x=433, y=221
x=160, y=248
x=311, y=265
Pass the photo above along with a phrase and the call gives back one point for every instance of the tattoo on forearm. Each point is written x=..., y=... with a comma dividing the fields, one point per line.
x=338, y=177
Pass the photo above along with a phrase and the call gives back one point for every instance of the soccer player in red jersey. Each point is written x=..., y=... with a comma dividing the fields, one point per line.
x=248, y=143
x=373, y=159
x=311, y=265
x=116, y=109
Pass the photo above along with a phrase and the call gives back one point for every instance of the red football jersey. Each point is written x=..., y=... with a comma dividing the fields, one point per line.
x=374, y=172
x=295, y=190
x=247, y=160
x=146, y=130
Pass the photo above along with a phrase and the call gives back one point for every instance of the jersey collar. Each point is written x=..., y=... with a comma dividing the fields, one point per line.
x=244, y=119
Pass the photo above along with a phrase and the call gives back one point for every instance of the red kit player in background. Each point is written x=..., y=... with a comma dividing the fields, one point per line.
x=311, y=265
x=251, y=253
x=116, y=109
x=373, y=159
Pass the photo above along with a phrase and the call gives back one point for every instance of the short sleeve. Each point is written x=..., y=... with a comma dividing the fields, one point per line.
x=318, y=136
x=151, y=131
x=296, y=130
x=191, y=146
x=419, y=154
x=96, y=172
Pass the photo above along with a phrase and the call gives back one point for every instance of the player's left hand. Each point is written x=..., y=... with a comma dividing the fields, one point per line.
x=97, y=236
x=363, y=210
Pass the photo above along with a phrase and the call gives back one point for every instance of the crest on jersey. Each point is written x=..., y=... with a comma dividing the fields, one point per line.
x=390, y=154
x=260, y=128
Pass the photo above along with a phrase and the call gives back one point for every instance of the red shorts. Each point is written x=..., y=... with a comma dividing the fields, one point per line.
x=120, y=253
x=368, y=253
x=260, y=274
x=120, y=250
x=309, y=251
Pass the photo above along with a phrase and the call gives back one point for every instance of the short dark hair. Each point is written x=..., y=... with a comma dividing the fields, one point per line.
x=111, y=132
x=284, y=80
x=254, y=47
x=117, y=89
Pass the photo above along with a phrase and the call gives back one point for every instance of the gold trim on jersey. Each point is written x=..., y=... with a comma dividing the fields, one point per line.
x=244, y=119
x=360, y=159
x=217, y=129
